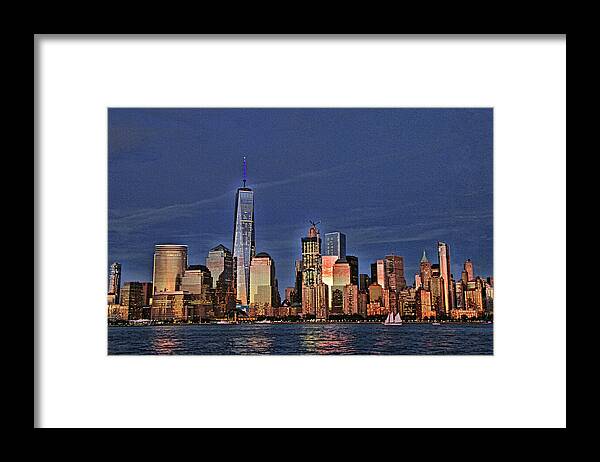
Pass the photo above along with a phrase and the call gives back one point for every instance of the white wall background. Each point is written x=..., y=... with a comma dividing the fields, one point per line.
x=523, y=384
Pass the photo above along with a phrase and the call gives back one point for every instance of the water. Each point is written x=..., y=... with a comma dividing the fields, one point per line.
x=294, y=339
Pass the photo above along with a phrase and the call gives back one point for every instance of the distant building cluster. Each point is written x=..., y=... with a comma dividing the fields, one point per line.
x=243, y=284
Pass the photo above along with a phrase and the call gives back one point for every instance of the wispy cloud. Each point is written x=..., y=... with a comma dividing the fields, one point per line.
x=152, y=216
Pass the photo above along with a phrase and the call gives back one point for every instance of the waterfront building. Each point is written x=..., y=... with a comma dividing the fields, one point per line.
x=351, y=303
x=380, y=273
x=117, y=312
x=407, y=303
x=170, y=262
x=463, y=314
x=133, y=297
x=469, y=270
x=444, y=262
x=425, y=271
x=244, y=245
x=263, y=284
x=489, y=296
x=197, y=280
x=169, y=306
x=363, y=302
x=353, y=262
x=314, y=291
x=375, y=292
x=424, y=305
x=327, y=264
x=374, y=308
x=114, y=283
x=336, y=296
x=147, y=293
x=437, y=293
x=394, y=268
x=298, y=283
x=452, y=291
x=459, y=287
x=474, y=297
x=335, y=244
x=342, y=273
x=363, y=282
x=373, y=277
x=221, y=264
x=290, y=294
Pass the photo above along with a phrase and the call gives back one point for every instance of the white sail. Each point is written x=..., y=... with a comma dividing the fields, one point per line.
x=398, y=319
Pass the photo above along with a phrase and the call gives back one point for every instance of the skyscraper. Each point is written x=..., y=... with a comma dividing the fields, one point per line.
x=394, y=267
x=170, y=262
x=114, y=283
x=220, y=263
x=314, y=292
x=327, y=264
x=196, y=280
x=381, y=276
x=298, y=283
x=353, y=262
x=444, y=260
x=341, y=278
x=469, y=269
x=363, y=282
x=244, y=246
x=425, y=268
x=335, y=244
x=263, y=284
x=132, y=296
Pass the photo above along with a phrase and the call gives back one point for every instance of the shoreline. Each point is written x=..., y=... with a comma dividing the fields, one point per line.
x=183, y=324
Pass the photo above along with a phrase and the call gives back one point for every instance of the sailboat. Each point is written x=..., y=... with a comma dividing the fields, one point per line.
x=392, y=320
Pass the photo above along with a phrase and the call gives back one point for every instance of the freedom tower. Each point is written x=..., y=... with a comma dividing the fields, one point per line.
x=244, y=246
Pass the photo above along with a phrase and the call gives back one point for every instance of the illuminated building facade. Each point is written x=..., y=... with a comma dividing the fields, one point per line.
x=244, y=245
x=469, y=270
x=169, y=306
x=363, y=282
x=114, y=283
x=298, y=283
x=327, y=264
x=379, y=273
x=444, y=262
x=170, y=262
x=394, y=267
x=425, y=271
x=263, y=284
x=335, y=244
x=133, y=297
x=220, y=263
x=351, y=304
x=314, y=291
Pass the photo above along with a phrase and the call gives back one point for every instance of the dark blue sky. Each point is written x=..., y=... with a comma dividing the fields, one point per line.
x=393, y=180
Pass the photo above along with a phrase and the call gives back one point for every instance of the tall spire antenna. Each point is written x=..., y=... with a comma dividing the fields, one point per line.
x=244, y=179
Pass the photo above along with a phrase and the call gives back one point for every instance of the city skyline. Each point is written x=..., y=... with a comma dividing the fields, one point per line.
x=421, y=213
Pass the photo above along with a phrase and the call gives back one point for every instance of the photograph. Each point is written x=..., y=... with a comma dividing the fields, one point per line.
x=300, y=231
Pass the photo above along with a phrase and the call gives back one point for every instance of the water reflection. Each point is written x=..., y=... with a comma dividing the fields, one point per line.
x=166, y=342
x=294, y=339
x=253, y=340
x=328, y=340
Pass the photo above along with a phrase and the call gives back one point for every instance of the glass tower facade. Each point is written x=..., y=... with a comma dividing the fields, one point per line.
x=170, y=262
x=244, y=246
x=335, y=244
x=114, y=281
